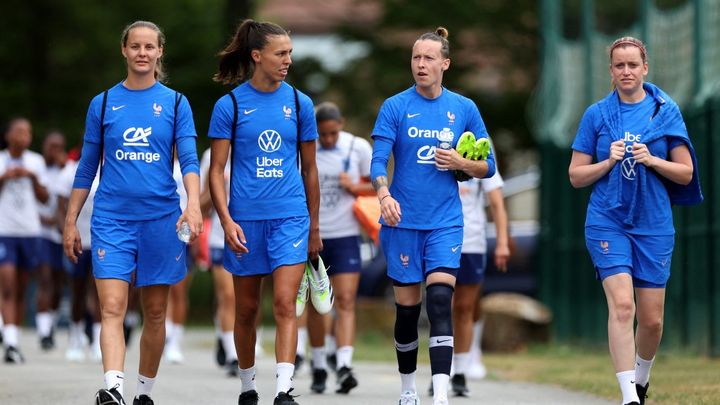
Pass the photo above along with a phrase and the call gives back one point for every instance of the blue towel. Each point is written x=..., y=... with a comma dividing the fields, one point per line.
x=667, y=122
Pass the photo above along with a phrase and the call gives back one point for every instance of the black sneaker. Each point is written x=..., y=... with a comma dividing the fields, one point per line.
x=232, y=369
x=332, y=361
x=318, y=380
x=13, y=355
x=143, y=400
x=47, y=343
x=248, y=398
x=345, y=380
x=459, y=386
x=633, y=403
x=284, y=398
x=127, y=333
x=220, y=356
x=642, y=392
x=109, y=397
x=299, y=360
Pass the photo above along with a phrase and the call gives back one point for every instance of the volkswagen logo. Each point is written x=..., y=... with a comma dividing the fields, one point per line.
x=628, y=168
x=269, y=141
x=426, y=155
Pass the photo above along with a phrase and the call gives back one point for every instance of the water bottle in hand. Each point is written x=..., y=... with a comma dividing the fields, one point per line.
x=184, y=232
x=444, y=140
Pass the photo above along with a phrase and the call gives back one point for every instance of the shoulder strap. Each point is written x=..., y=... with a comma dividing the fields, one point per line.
x=346, y=162
x=102, y=131
x=178, y=97
x=233, y=131
x=297, y=116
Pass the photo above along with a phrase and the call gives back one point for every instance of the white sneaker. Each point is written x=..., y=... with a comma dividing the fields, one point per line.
x=441, y=401
x=75, y=355
x=259, y=351
x=302, y=295
x=477, y=371
x=173, y=355
x=95, y=353
x=321, y=293
x=409, y=398
x=77, y=343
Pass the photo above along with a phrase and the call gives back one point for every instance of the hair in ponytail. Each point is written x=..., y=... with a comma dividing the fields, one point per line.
x=160, y=74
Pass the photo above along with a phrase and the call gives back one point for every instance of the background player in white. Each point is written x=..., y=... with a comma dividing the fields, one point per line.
x=23, y=186
x=136, y=214
x=422, y=220
x=271, y=220
x=343, y=161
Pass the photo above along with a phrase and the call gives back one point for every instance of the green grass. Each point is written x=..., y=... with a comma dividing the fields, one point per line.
x=676, y=378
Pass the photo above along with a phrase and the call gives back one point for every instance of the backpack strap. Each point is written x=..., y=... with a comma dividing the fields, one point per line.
x=178, y=97
x=233, y=132
x=102, y=131
x=297, y=116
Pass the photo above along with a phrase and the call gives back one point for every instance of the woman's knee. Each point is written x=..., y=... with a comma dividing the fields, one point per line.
x=246, y=312
x=284, y=308
x=113, y=307
x=623, y=311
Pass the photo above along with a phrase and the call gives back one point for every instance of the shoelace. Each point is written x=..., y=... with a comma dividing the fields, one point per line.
x=320, y=285
x=302, y=290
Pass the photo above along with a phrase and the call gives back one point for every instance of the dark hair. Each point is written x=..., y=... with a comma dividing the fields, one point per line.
x=327, y=111
x=440, y=35
x=236, y=62
x=628, y=41
x=159, y=69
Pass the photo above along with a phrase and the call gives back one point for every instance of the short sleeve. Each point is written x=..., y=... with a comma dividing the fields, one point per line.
x=586, y=137
x=92, y=120
x=492, y=183
x=363, y=152
x=308, y=125
x=221, y=119
x=185, y=125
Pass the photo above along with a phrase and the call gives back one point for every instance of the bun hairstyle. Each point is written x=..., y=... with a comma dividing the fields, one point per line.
x=624, y=42
x=160, y=74
x=440, y=35
x=327, y=111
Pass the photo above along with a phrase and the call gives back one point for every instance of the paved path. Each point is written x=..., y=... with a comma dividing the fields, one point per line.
x=46, y=378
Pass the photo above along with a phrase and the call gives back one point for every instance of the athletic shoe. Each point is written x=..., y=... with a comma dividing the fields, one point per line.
x=477, y=371
x=47, y=343
x=321, y=293
x=249, y=398
x=332, y=361
x=459, y=386
x=642, y=392
x=109, y=397
x=302, y=295
x=633, y=403
x=440, y=401
x=409, y=398
x=299, y=360
x=75, y=352
x=220, y=353
x=284, y=398
x=143, y=400
x=345, y=380
x=319, y=378
x=232, y=368
x=173, y=355
x=13, y=355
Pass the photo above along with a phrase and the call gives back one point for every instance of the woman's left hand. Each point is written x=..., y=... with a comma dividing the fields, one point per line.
x=194, y=219
x=314, y=244
x=641, y=153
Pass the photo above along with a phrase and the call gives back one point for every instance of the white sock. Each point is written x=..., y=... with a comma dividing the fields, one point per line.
x=169, y=332
x=247, y=378
x=642, y=370
x=96, y=336
x=11, y=335
x=218, y=330
x=76, y=331
x=302, y=341
x=178, y=333
x=476, y=345
x=284, y=377
x=408, y=382
x=626, y=379
x=144, y=385
x=115, y=379
x=344, y=356
x=228, y=342
x=319, y=361
x=440, y=386
x=330, y=345
x=43, y=322
x=461, y=362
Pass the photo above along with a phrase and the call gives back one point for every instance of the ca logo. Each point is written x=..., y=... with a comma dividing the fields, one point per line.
x=426, y=155
x=269, y=141
x=137, y=136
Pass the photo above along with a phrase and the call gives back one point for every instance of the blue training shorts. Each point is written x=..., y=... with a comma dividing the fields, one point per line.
x=272, y=243
x=472, y=268
x=411, y=253
x=149, y=248
x=216, y=256
x=52, y=254
x=22, y=252
x=646, y=257
x=82, y=268
x=342, y=255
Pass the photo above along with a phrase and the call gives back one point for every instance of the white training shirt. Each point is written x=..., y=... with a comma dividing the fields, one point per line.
x=336, y=214
x=19, y=209
x=49, y=209
x=216, y=239
x=473, y=207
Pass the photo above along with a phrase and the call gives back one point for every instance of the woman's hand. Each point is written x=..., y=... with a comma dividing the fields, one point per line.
x=390, y=210
x=235, y=238
x=617, y=151
x=314, y=244
x=71, y=242
x=193, y=217
x=642, y=154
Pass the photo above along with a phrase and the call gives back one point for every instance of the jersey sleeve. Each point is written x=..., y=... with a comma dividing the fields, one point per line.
x=363, y=152
x=185, y=125
x=221, y=120
x=92, y=120
x=586, y=136
x=386, y=124
x=308, y=125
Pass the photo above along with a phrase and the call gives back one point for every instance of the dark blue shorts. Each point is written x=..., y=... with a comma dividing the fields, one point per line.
x=342, y=255
x=52, y=254
x=22, y=252
x=472, y=268
x=216, y=256
x=83, y=267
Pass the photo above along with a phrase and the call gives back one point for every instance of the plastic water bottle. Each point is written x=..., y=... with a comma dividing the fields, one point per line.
x=184, y=232
x=444, y=140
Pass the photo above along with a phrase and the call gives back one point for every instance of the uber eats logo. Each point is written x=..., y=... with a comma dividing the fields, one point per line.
x=137, y=137
x=269, y=141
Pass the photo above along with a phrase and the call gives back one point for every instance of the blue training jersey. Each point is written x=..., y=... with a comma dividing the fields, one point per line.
x=594, y=138
x=140, y=131
x=428, y=197
x=265, y=180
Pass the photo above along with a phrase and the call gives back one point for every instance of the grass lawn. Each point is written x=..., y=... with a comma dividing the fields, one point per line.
x=676, y=378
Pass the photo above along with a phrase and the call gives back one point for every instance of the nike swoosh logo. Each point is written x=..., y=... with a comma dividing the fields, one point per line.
x=443, y=341
x=115, y=108
x=249, y=111
x=413, y=115
x=455, y=248
x=296, y=244
x=177, y=258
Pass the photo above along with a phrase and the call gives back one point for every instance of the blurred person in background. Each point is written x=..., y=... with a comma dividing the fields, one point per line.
x=422, y=222
x=136, y=125
x=634, y=149
x=343, y=161
x=23, y=188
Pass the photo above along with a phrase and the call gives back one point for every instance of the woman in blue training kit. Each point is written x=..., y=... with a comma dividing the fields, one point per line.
x=271, y=220
x=422, y=221
x=133, y=129
x=644, y=162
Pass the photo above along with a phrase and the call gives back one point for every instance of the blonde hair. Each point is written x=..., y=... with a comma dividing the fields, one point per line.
x=160, y=74
x=624, y=42
x=440, y=35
